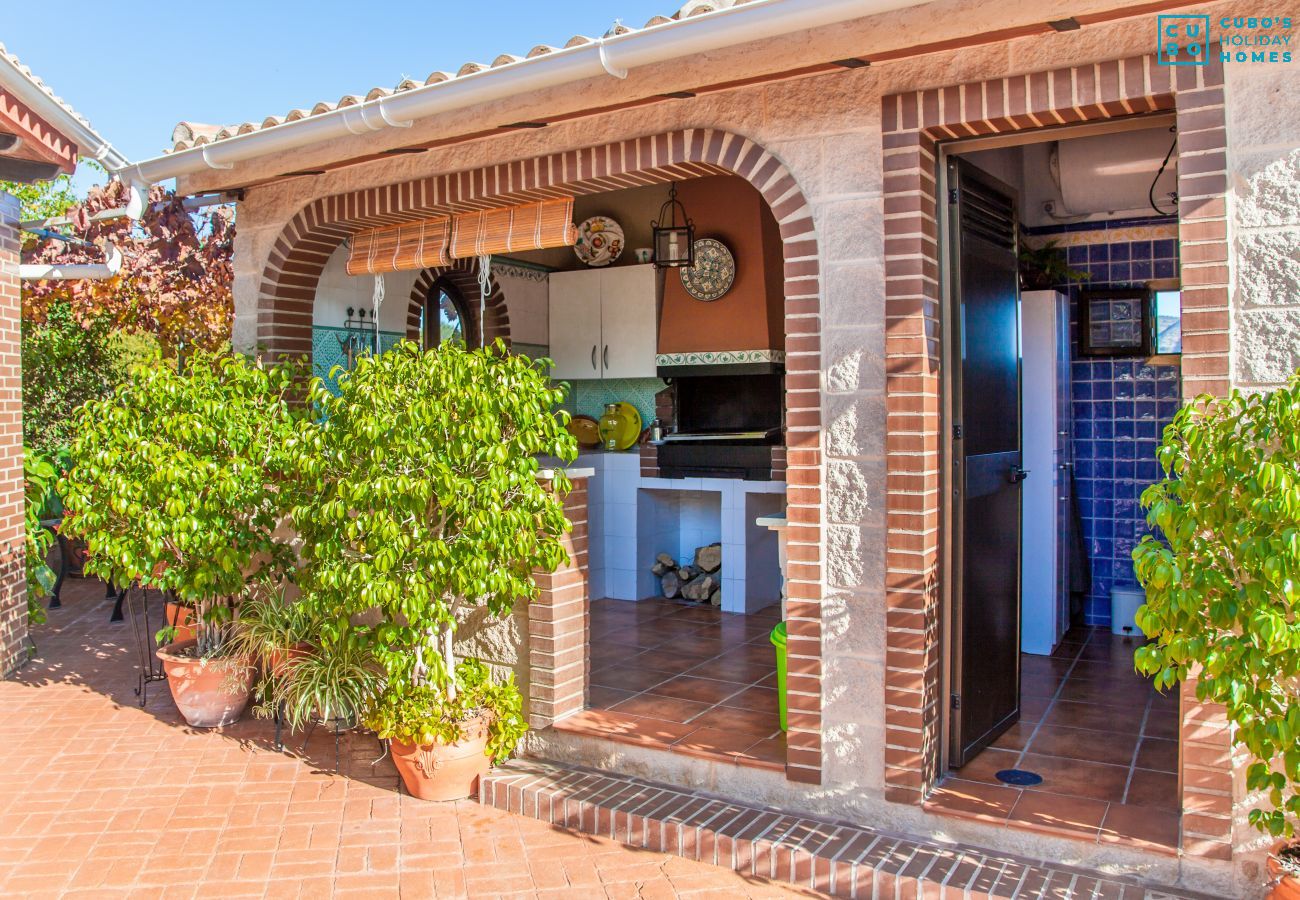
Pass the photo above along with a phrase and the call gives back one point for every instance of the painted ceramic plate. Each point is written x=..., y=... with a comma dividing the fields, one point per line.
x=632, y=430
x=600, y=241
x=714, y=271
x=586, y=430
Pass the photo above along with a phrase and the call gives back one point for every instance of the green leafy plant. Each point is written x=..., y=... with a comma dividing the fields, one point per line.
x=334, y=684
x=271, y=625
x=1223, y=578
x=421, y=499
x=66, y=363
x=1045, y=267
x=177, y=482
x=40, y=476
x=425, y=714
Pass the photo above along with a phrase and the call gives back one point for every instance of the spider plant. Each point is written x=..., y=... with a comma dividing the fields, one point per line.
x=332, y=685
x=272, y=627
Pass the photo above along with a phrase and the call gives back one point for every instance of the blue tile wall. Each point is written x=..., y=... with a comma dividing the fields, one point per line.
x=1120, y=407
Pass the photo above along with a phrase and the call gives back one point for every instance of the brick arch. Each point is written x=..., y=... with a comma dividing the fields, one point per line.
x=288, y=290
x=913, y=126
x=463, y=275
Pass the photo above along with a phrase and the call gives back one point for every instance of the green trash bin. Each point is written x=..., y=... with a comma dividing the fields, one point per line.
x=778, y=641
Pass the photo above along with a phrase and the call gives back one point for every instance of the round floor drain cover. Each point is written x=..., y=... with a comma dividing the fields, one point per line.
x=1019, y=777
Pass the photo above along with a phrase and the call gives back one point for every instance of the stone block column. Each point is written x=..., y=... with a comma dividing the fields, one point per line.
x=557, y=625
x=13, y=588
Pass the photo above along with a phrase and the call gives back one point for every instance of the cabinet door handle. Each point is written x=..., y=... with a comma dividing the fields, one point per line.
x=593, y=356
x=605, y=356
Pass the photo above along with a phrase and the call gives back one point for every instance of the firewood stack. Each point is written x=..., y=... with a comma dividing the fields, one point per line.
x=698, y=581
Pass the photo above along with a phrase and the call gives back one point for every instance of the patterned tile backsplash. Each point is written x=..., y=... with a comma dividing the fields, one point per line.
x=327, y=343
x=588, y=397
x=1120, y=406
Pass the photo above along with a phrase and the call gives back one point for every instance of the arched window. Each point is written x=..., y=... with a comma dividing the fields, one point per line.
x=446, y=317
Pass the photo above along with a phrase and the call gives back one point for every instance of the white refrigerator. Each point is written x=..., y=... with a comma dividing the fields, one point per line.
x=1046, y=447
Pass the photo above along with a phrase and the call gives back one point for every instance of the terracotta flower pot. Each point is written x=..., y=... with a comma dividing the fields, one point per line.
x=182, y=619
x=1287, y=886
x=441, y=771
x=280, y=657
x=208, y=692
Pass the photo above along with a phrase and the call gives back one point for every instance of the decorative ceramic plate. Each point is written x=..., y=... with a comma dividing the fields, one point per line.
x=600, y=241
x=632, y=431
x=714, y=271
x=586, y=430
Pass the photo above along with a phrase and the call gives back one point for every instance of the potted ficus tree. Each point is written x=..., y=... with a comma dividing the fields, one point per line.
x=1222, y=578
x=176, y=485
x=421, y=500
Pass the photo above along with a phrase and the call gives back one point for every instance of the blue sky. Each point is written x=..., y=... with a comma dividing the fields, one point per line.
x=135, y=69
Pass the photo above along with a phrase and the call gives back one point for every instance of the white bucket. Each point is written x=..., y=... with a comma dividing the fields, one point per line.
x=1124, y=603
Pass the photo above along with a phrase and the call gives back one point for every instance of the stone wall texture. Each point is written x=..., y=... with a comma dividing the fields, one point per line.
x=1264, y=198
x=826, y=130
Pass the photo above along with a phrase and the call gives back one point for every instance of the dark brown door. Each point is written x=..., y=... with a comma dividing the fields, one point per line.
x=985, y=631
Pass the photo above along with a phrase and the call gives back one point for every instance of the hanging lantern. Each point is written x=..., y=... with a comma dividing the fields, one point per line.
x=674, y=243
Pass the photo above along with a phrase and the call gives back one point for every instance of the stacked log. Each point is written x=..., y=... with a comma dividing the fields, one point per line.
x=697, y=581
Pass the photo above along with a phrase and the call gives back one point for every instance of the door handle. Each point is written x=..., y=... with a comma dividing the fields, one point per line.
x=605, y=356
x=1017, y=474
x=593, y=357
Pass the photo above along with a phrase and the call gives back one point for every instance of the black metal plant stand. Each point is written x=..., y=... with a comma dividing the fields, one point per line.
x=65, y=562
x=151, y=667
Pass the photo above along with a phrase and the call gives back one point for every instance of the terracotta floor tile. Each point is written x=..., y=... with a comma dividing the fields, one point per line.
x=1143, y=825
x=974, y=798
x=1032, y=709
x=761, y=723
x=668, y=659
x=770, y=752
x=705, y=690
x=1015, y=737
x=243, y=820
x=1163, y=724
x=1160, y=755
x=654, y=706
x=1074, y=815
x=984, y=766
x=604, y=698
x=1095, y=717
x=1078, y=743
x=717, y=740
x=1077, y=778
x=628, y=679
x=1155, y=789
x=760, y=698
x=740, y=670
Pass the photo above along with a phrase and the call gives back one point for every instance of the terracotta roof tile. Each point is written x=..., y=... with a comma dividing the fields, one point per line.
x=44, y=88
x=190, y=134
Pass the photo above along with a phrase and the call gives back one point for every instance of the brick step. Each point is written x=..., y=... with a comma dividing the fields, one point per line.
x=835, y=858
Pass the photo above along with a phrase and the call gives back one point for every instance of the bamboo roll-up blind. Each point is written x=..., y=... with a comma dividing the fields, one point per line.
x=396, y=248
x=509, y=229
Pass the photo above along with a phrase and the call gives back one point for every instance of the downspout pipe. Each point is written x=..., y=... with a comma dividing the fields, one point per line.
x=111, y=265
x=611, y=56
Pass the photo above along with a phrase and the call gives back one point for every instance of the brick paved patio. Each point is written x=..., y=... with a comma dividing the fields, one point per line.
x=100, y=797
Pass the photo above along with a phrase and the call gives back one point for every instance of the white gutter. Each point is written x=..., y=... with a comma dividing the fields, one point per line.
x=88, y=141
x=612, y=55
x=111, y=266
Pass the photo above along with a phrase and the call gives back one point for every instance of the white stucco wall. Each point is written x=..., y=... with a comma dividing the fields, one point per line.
x=826, y=130
x=338, y=290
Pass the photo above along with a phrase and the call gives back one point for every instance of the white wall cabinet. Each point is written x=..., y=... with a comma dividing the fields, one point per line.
x=603, y=321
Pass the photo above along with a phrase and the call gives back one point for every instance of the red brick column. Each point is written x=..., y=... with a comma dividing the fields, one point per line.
x=557, y=626
x=912, y=124
x=13, y=588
